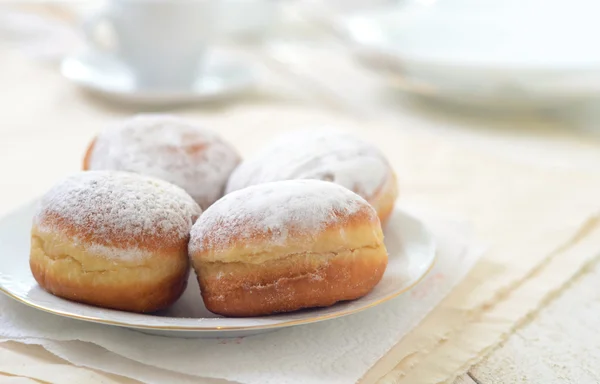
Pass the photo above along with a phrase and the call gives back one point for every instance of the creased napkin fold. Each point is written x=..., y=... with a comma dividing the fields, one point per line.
x=336, y=351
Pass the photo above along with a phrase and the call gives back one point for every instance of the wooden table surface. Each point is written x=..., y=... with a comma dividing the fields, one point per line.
x=560, y=344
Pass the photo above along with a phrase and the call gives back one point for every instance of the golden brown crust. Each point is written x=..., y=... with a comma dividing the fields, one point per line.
x=118, y=210
x=163, y=243
x=289, y=284
x=69, y=269
x=113, y=239
x=248, y=244
x=88, y=155
x=343, y=262
x=383, y=201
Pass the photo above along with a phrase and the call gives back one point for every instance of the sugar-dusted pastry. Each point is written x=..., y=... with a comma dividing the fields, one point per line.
x=169, y=148
x=113, y=239
x=287, y=245
x=331, y=156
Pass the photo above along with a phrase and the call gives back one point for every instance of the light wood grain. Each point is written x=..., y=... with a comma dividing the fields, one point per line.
x=562, y=345
x=464, y=379
x=8, y=379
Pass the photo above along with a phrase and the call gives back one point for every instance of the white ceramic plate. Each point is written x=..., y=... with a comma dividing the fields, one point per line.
x=106, y=76
x=411, y=255
x=507, y=52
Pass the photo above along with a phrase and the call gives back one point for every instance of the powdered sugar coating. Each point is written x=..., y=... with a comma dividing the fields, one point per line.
x=170, y=149
x=117, y=214
x=272, y=211
x=324, y=155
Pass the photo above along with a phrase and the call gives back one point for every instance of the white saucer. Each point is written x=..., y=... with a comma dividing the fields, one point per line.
x=410, y=246
x=483, y=52
x=107, y=76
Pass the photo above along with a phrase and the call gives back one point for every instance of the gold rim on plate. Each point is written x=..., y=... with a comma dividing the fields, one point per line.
x=221, y=328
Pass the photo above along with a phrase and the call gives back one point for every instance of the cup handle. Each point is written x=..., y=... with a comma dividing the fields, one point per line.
x=90, y=29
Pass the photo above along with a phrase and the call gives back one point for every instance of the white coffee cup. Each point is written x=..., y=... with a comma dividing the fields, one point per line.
x=162, y=41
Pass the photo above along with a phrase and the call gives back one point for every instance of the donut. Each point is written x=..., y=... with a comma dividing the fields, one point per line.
x=169, y=148
x=284, y=246
x=326, y=155
x=113, y=239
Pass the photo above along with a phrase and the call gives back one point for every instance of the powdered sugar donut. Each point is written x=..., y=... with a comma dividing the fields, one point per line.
x=286, y=245
x=168, y=148
x=113, y=239
x=331, y=156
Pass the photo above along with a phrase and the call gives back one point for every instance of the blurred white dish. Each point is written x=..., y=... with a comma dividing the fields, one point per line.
x=164, y=41
x=106, y=75
x=410, y=246
x=247, y=19
x=509, y=52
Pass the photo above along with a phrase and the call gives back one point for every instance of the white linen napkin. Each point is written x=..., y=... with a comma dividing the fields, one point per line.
x=335, y=351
